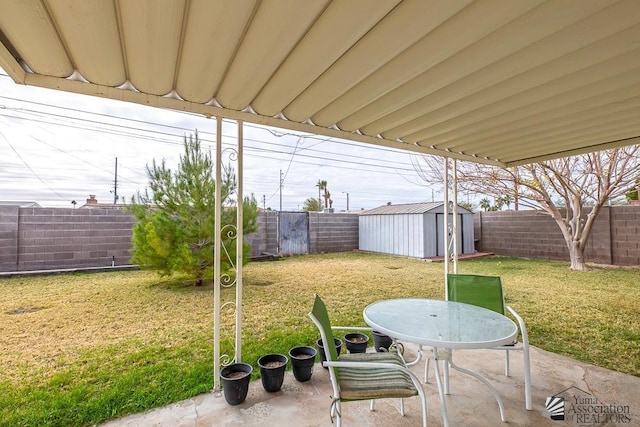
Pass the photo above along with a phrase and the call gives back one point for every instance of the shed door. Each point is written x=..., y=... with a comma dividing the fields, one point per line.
x=294, y=233
x=440, y=230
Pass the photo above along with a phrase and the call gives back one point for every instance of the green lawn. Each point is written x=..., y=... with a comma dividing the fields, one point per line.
x=84, y=348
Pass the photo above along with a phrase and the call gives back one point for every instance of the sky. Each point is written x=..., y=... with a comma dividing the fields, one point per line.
x=58, y=147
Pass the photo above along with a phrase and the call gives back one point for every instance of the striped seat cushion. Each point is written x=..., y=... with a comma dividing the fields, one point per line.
x=373, y=383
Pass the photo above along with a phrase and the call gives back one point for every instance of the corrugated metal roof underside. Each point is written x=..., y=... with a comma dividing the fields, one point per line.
x=494, y=81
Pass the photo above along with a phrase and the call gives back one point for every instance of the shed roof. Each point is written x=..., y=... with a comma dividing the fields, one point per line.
x=496, y=81
x=408, y=208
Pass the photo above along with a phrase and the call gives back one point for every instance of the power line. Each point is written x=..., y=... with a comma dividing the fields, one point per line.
x=384, y=169
x=303, y=150
x=61, y=118
x=211, y=141
x=247, y=148
x=200, y=116
x=29, y=167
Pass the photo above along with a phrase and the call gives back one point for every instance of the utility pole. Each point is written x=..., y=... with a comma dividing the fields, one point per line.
x=264, y=202
x=281, y=183
x=278, y=216
x=344, y=192
x=115, y=185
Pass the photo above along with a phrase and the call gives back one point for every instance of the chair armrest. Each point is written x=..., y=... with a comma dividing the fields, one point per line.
x=365, y=365
x=521, y=325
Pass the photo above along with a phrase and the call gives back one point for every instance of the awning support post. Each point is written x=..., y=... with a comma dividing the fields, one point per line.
x=217, y=248
x=450, y=233
x=239, y=241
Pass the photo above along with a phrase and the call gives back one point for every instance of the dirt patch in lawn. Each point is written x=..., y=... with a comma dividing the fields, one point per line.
x=24, y=310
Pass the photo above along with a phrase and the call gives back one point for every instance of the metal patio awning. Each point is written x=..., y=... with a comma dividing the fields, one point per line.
x=500, y=82
x=494, y=81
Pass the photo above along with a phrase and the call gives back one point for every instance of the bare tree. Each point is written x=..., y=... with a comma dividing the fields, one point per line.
x=571, y=190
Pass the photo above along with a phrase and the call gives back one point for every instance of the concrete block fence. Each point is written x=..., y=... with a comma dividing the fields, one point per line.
x=60, y=238
x=335, y=232
x=615, y=239
x=55, y=238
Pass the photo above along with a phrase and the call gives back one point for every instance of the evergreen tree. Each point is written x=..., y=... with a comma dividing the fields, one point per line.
x=175, y=223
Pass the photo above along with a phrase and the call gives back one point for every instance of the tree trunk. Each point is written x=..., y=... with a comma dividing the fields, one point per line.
x=200, y=278
x=576, y=253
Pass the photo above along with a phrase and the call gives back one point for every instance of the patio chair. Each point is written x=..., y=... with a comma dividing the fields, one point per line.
x=364, y=376
x=487, y=292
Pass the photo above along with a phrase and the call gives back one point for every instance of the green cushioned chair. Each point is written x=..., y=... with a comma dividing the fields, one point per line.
x=364, y=376
x=487, y=292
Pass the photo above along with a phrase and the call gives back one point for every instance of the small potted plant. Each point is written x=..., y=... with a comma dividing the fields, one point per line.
x=272, y=367
x=323, y=356
x=303, y=359
x=356, y=342
x=235, y=382
x=381, y=342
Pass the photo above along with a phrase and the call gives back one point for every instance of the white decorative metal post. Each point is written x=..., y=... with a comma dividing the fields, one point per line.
x=239, y=243
x=227, y=232
x=450, y=232
x=216, y=258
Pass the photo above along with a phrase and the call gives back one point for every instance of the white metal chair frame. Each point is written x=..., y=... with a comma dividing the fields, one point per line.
x=331, y=364
x=522, y=345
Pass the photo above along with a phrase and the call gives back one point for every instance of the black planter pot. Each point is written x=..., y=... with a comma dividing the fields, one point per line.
x=356, y=342
x=381, y=342
x=302, y=360
x=323, y=356
x=272, y=367
x=235, y=382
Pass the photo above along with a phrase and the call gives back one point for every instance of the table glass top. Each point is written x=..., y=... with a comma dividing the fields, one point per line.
x=440, y=323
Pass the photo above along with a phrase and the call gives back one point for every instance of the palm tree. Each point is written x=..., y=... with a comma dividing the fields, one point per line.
x=485, y=204
x=322, y=185
x=507, y=200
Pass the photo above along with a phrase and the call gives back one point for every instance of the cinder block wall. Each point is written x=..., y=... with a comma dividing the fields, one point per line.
x=337, y=232
x=57, y=238
x=9, y=237
x=625, y=233
x=48, y=238
x=265, y=239
x=530, y=234
x=54, y=238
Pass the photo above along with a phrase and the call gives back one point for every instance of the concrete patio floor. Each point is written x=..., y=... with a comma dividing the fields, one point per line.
x=588, y=392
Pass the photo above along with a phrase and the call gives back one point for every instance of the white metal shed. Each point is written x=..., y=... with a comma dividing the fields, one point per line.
x=413, y=230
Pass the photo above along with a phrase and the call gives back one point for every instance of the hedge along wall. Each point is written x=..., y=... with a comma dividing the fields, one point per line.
x=615, y=238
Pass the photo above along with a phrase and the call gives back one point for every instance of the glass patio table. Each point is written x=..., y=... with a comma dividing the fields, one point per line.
x=443, y=324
